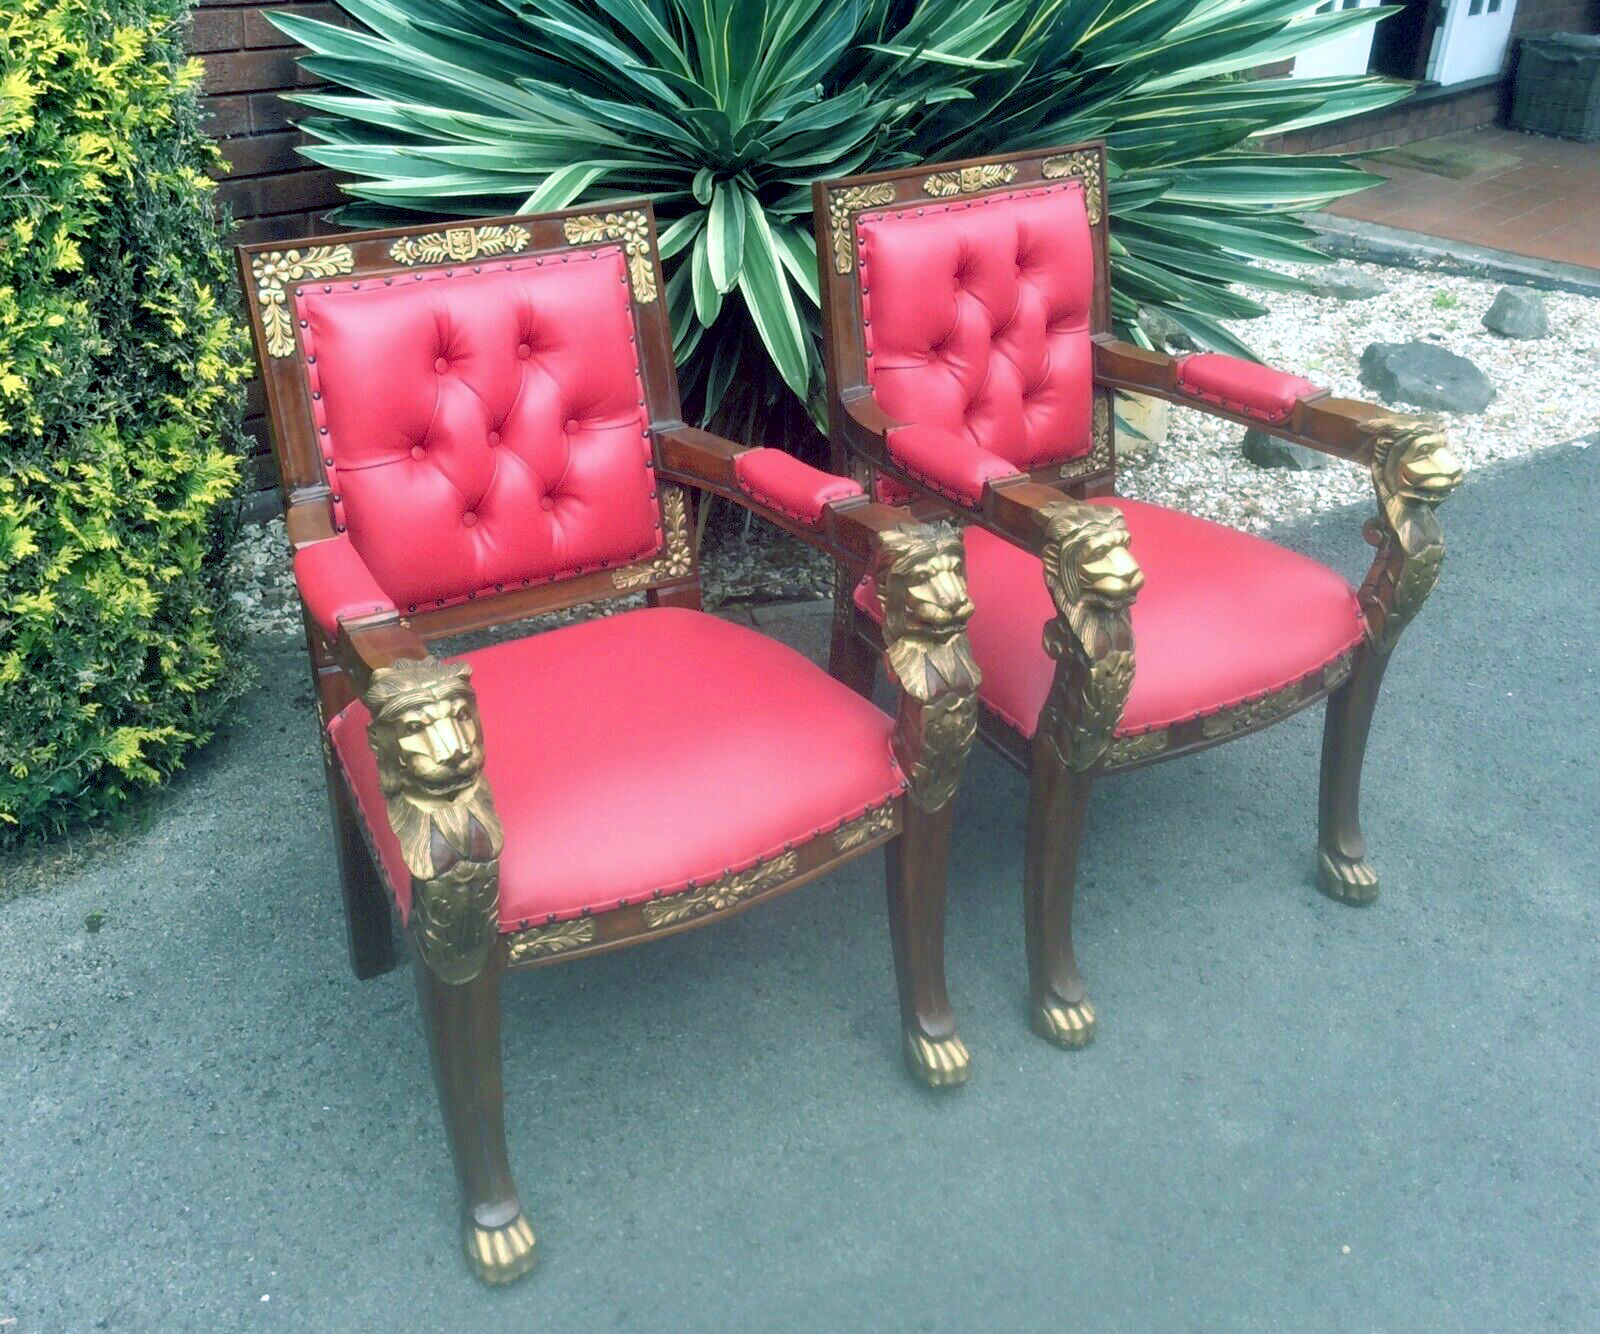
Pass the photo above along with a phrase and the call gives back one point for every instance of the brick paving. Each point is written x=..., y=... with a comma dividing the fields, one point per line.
x=1544, y=206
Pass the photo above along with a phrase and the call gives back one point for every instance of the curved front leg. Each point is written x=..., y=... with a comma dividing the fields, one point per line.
x=428, y=739
x=920, y=577
x=1093, y=580
x=1413, y=471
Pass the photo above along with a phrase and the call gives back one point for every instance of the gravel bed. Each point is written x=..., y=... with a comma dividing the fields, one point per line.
x=1548, y=393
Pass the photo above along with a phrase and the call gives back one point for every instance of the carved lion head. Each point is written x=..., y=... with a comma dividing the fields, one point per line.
x=1086, y=558
x=920, y=574
x=1411, y=460
x=425, y=729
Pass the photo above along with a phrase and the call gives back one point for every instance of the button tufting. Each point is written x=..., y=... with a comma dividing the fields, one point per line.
x=571, y=426
x=441, y=365
x=418, y=452
x=494, y=438
x=523, y=350
x=547, y=504
x=469, y=519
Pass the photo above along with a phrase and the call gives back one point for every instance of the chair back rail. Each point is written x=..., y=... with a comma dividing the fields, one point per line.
x=846, y=208
x=349, y=397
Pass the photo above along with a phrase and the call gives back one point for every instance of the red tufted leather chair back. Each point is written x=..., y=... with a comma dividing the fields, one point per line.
x=483, y=428
x=976, y=318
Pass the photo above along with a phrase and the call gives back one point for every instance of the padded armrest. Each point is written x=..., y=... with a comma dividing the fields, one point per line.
x=335, y=583
x=945, y=462
x=1243, y=386
x=782, y=482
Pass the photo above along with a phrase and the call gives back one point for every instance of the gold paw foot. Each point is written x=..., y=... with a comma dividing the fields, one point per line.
x=1348, y=881
x=1065, y=1025
x=500, y=1254
x=941, y=1063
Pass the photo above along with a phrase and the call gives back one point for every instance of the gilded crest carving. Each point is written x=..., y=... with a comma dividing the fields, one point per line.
x=721, y=894
x=632, y=231
x=1084, y=167
x=1252, y=713
x=1093, y=579
x=864, y=828
x=943, y=184
x=539, y=942
x=677, y=552
x=275, y=270
x=1127, y=749
x=428, y=741
x=1413, y=472
x=459, y=244
x=843, y=203
x=919, y=573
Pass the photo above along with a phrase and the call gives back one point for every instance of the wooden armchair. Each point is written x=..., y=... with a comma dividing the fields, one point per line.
x=478, y=423
x=970, y=370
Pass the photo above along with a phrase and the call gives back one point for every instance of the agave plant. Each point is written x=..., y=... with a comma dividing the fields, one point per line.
x=727, y=110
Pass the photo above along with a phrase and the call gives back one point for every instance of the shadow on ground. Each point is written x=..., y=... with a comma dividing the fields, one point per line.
x=1297, y=1115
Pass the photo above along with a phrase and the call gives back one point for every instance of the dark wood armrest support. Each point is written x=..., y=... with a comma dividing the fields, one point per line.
x=847, y=529
x=1336, y=426
x=428, y=739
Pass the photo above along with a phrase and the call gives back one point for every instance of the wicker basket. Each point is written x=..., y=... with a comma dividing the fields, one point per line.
x=1558, y=86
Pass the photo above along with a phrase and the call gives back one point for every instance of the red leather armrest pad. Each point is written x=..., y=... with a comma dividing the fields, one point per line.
x=950, y=465
x=335, y=583
x=783, y=483
x=1243, y=386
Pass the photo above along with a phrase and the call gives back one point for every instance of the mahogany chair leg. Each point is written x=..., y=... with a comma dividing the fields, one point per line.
x=1057, y=799
x=463, y=1028
x=851, y=660
x=368, y=929
x=915, y=865
x=1343, y=871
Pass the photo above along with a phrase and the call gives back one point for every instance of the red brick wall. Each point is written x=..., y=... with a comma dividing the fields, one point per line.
x=271, y=191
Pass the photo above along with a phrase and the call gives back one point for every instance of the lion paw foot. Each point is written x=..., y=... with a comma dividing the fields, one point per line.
x=1346, y=880
x=938, y=1062
x=500, y=1254
x=1063, y=1024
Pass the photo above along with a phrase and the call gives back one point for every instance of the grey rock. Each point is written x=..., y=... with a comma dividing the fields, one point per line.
x=1268, y=451
x=1517, y=313
x=1164, y=331
x=1425, y=376
x=1344, y=283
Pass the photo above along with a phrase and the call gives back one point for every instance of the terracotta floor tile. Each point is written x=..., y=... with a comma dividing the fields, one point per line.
x=1546, y=205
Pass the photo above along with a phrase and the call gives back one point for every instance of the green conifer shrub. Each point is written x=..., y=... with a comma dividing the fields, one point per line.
x=121, y=363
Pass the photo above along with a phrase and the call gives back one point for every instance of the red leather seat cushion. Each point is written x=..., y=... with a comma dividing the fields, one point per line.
x=635, y=753
x=1223, y=617
x=1243, y=386
x=977, y=319
x=782, y=482
x=483, y=426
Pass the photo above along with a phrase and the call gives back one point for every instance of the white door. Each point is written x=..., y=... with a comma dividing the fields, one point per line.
x=1471, y=42
x=1348, y=53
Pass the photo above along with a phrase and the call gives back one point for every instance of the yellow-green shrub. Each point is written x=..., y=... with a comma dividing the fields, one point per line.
x=120, y=368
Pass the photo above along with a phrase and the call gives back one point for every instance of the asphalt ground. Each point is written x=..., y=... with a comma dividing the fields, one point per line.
x=1296, y=1115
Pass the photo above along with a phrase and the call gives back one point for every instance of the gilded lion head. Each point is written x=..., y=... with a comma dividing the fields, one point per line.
x=920, y=573
x=1412, y=461
x=1087, y=561
x=425, y=729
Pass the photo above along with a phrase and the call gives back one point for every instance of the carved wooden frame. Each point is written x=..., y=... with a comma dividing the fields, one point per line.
x=451, y=839
x=1077, y=738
